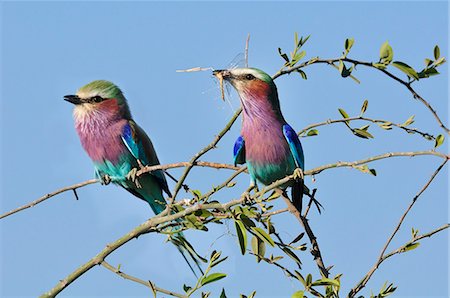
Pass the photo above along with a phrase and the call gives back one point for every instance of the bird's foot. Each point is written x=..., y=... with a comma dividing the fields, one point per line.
x=298, y=173
x=105, y=180
x=133, y=178
x=247, y=194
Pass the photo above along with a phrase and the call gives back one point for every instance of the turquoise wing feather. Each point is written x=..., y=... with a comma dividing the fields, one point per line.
x=140, y=146
x=294, y=145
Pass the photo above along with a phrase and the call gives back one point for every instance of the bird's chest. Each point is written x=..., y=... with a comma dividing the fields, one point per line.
x=268, y=154
x=102, y=140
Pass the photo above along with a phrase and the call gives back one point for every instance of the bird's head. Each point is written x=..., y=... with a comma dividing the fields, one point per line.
x=254, y=86
x=98, y=96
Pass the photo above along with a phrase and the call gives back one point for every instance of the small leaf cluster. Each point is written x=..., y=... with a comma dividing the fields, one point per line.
x=296, y=55
x=430, y=69
x=207, y=278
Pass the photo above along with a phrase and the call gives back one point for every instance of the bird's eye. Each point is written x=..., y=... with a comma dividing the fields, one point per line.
x=97, y=98
x=249, y=77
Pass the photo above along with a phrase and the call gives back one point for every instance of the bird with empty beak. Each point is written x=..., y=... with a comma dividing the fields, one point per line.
x=118, y=147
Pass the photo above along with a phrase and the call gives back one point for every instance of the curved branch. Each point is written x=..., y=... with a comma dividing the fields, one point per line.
x=163, y=217
x=376, y=121
x=367, y=64
x=48, y=196
x=145, y=169
x=315, y=250
x=148, y=284
x=382, y=257
x=374, y=158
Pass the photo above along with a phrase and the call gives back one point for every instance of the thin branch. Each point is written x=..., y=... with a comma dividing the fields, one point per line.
x=145, y=169
x=205, y=164
x=368, y=64
x=374, y=158
x=49, y=195
x=202, y=152
x=163, y=217
x=381, y=258
x=148, y=284
x=404, y=248
x=377, y=121
x=280, y=211
x=315, y=250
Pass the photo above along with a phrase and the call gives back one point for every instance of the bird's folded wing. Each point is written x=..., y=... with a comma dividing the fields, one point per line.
x=294, y=145
x=239, y=151
x=140, y=146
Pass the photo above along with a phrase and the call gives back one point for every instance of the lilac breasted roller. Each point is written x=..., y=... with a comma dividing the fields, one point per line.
x=118, y=146
x=268, y=144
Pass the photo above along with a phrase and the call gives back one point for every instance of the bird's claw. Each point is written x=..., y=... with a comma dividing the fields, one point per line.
x=298, y=173
x=247, y=198
x=105, y=180
x=133, y=178
x=247, y=195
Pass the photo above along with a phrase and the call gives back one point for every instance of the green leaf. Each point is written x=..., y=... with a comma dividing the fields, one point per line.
x=261, y=234
x=409, y=121
x=298, y=294
x=349, y=43
x=298, y=238
x=440, y=61
x=437, y=52
x=428, y=72
x=365, y=127
x=439, y=140
x=312, y=132
x=196, y=193
x=326, y=282
x=242, y=235
x=252, y=295
x=246, y=220
x=283, y=55
x=223, y=295
x=212, y=278
x=308, y=280
x=408, y=70
x=345, y=72
x=386, y=53
x=343, y=113
x=428, y=62
x=215, y=263
x=258, y=248
x=186, y=288
x=297, y=57
x=386, y=125
x=291, y=254
x=379, y=65
x=302, y=73
x=373, y=172
x=410, y=246
x=362, y=133
x=364, y=106
x=231, y=184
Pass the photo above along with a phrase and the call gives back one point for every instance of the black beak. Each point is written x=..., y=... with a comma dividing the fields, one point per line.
x=222, y=73
x=73, y=99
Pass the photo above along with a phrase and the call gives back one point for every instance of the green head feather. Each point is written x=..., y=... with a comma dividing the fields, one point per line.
x=102, y=88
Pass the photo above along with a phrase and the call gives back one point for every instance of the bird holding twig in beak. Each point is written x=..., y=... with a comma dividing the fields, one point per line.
x=268, y=144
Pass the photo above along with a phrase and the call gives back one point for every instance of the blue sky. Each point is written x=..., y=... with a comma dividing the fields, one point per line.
x=50, y=49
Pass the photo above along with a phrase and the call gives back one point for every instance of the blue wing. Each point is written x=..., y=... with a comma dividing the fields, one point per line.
x=239, y=151
x=294, y=145
x=140, y=146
